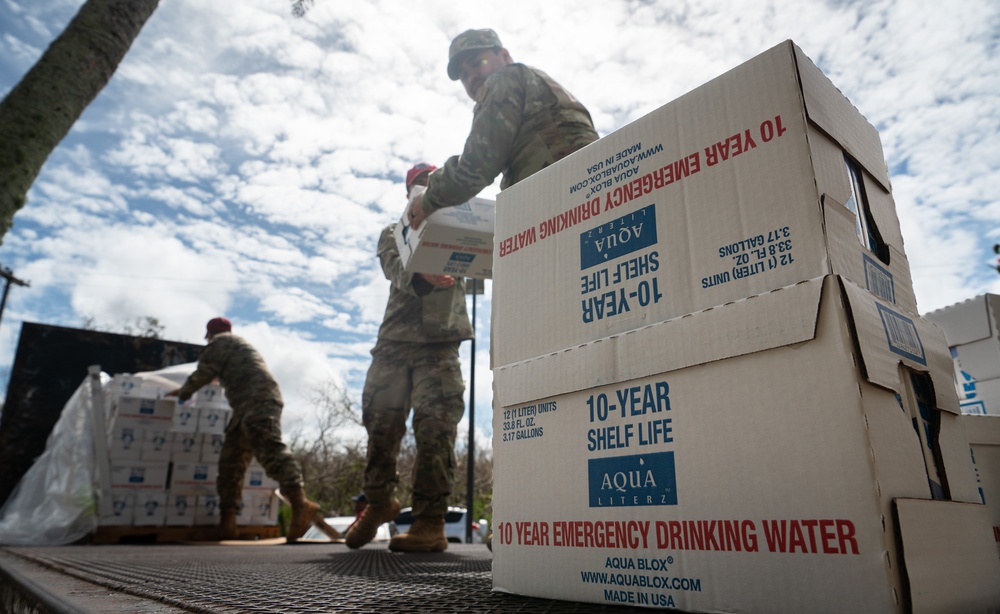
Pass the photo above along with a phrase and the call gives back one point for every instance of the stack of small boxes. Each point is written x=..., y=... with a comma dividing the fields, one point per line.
x=164, y=460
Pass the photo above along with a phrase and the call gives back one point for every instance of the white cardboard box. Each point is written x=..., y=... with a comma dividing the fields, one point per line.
x=118, y=509
x=758, y=457
x=211, y=447
x=211, y=395
x=984, y=438
x=194, y=478
x=262, y=509
x=256, y=480
x=736, y=188
x=455, y=241
x=156, y=444
x=186, y=448
x=137, y=475
x=150, y=509
x=213, y=419
x=207, y=510
x=181, y=510
x=125, y=443
x=185, y=418
x=144, y=412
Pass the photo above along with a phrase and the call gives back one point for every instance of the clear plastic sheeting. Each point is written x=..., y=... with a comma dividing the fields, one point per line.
x=57, y=500
x=55, y=503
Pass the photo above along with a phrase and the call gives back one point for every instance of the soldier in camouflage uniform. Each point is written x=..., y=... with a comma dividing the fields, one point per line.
x=253, y=430
x=523, y=121
x=414, y=364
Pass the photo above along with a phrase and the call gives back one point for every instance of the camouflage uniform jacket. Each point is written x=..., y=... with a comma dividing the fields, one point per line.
x=416, y=310
x=523, y=121
x=240, y=370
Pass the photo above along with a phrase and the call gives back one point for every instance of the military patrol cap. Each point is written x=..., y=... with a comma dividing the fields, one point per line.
x=417, y=171
x=470, y=40
x=216, y=326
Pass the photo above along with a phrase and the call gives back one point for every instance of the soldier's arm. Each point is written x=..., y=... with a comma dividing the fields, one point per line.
x=495, y=123
x=392, y=266
x=209, y=367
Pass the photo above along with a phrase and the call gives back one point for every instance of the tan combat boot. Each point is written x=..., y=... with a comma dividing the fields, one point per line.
x=425, y=535
x=227, y=526
x=304, y=514
x=364, y=529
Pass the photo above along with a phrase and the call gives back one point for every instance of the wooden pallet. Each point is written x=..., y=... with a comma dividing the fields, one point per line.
x=162, y=535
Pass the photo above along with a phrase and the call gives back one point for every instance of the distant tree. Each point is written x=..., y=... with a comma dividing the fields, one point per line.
x=300, y=7
x=333, y=466
x=41, y=109
x=148, y=327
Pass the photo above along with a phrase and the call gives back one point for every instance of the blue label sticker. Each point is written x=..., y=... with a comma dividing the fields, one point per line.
x=901, y=335
x=878, y=280
x=461, y=257
x=638, y=480
x=619, y=237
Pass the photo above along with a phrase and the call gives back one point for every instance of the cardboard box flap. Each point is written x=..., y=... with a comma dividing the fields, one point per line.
x=837, y=117
x=968, y=321
x=774, y=319
x=949, y=560
x=982, y=430
x=887, y=336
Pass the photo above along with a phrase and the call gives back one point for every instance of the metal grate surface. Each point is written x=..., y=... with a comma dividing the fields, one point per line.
x=305, y=578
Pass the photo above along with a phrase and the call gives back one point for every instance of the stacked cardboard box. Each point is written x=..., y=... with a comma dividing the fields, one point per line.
x=715, y=395
x=164, y=459
x=974, y=337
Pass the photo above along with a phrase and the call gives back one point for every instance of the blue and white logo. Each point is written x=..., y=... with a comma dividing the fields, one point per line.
x=619, y=237
x=638, y=480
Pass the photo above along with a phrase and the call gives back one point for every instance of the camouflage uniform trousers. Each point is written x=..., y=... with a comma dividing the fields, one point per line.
x=254, y=432
x=428, y=378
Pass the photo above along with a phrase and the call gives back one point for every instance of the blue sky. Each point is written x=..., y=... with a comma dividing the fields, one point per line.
x=242, y=162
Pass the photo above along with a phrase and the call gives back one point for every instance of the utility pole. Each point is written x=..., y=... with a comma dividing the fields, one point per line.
x=7, y=274
x=473, y=287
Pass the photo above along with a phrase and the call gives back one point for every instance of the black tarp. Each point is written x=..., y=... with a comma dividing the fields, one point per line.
x=50, y=363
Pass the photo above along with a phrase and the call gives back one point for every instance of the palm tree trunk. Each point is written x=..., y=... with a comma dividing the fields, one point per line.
x=41, y=109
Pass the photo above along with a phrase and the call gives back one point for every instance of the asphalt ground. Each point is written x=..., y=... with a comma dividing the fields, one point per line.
x=257, y=577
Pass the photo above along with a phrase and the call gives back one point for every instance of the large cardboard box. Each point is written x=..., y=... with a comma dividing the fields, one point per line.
x=765, y=456
x=744, y=185
x=984, y=438
x=974, y=337
x=455, y=241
